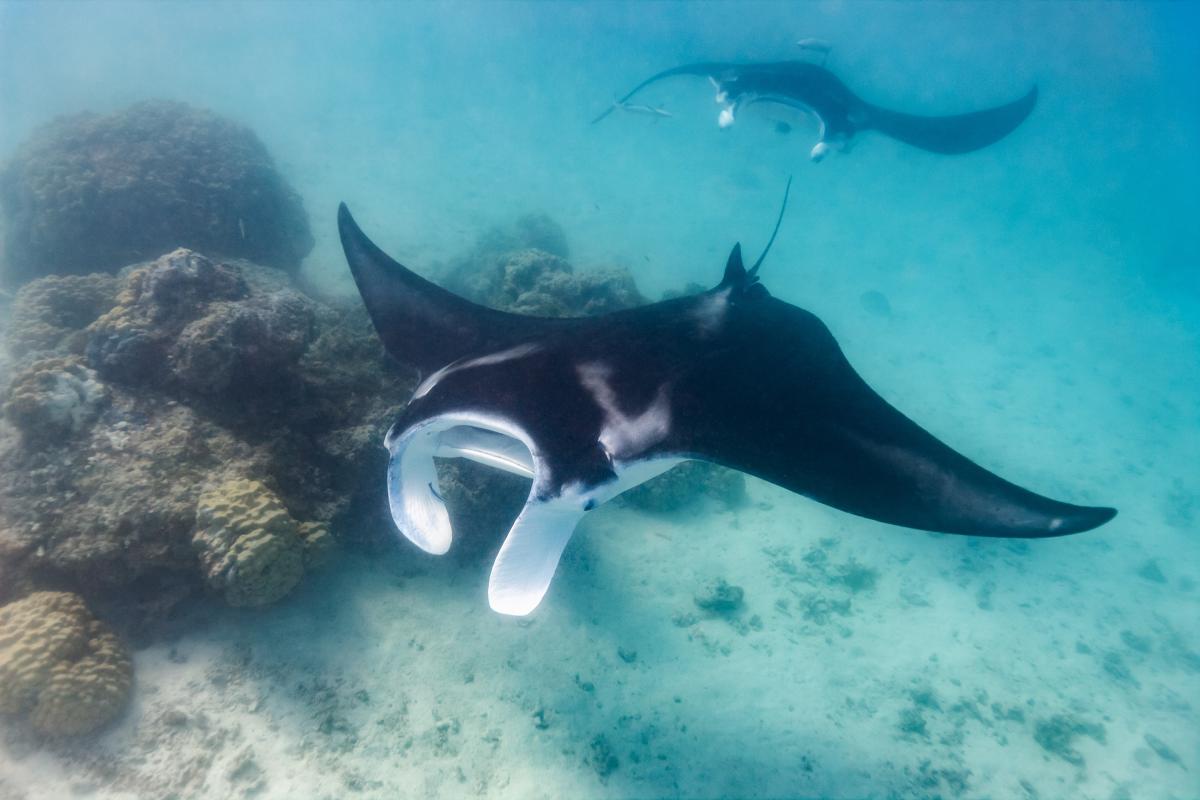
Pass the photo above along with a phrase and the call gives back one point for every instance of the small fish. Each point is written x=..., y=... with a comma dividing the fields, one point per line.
x=816, y=45
x=641, y=108
x=876, y=303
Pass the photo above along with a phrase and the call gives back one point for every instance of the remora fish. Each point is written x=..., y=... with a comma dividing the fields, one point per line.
x=840, y=113
x=588, y=408
x=642, y=108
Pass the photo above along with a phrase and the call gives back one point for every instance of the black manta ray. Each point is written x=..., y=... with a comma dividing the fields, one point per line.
x=590, y=407
x=840, y=113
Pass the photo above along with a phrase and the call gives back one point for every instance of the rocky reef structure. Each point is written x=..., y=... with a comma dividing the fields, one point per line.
x=539, y=283
x=198, y=426
x=53, y=398
x=187, y=322
x=92, y=193
x=62, y=671
x=525, y=270
x=208, y=429
x=52, y=314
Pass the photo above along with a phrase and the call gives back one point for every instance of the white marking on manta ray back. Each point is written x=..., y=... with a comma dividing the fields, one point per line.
x=519, y=351
x=625, y=437
x=710, y=312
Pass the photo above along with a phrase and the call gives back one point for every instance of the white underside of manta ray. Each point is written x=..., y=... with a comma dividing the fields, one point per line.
x=588, y=408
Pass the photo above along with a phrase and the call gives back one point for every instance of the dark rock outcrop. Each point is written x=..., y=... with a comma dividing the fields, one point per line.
x=92, y=193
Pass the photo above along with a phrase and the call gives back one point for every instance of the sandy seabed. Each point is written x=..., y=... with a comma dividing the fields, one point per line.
x=862, y=662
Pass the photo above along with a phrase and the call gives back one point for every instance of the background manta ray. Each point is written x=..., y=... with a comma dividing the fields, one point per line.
x=839, y=112
x=588, y=408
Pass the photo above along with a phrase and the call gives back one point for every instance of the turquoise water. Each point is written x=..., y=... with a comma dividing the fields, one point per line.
x=1044, y=318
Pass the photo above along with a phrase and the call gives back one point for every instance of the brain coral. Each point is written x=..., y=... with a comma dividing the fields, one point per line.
x=61, y=669
x=251, y=549
x=92, y=193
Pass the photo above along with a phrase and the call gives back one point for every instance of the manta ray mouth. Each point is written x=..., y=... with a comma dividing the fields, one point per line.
x=531, y=551
x=414, y=495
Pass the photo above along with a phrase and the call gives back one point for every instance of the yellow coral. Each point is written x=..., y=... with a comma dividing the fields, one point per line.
x=60, y=668
x=318, y=544
x=251, y=549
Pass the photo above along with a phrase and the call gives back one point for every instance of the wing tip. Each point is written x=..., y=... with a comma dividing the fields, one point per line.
x=346, y=221
x=1084, y=518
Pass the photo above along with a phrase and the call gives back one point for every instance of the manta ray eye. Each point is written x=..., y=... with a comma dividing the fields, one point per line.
x=589, y=504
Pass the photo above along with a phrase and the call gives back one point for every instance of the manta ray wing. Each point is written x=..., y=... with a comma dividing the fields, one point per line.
x=775, y=397
x=955, y=133
x=420, y=323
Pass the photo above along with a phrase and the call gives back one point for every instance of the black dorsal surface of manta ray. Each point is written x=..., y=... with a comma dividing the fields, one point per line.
x=589, y=407
x=840, y=113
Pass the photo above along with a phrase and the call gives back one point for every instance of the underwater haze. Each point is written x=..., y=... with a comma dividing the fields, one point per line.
x=1035, y=304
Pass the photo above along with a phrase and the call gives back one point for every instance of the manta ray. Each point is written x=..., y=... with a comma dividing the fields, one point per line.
x=589, y=407
x=839, y=112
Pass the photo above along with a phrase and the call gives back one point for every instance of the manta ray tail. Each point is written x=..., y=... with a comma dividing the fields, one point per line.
x=957, y=133
x=420, y=323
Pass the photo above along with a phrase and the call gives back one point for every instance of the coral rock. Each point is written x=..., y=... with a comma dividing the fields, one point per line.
x=537, y=283
x=678, y=487
x=213, y=370
x=130, y=342
x=93, y=193
x=251, y=549
x=50, y=314
x=53, y=398
x=61, y=670
x=199, y=323
x=238, y=339
x=524, y=270
x=318, y=544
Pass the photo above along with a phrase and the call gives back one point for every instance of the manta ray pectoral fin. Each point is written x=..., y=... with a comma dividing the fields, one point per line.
x=528, y=558
x=421, y=324
x=812, y=425
x=954, y=134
